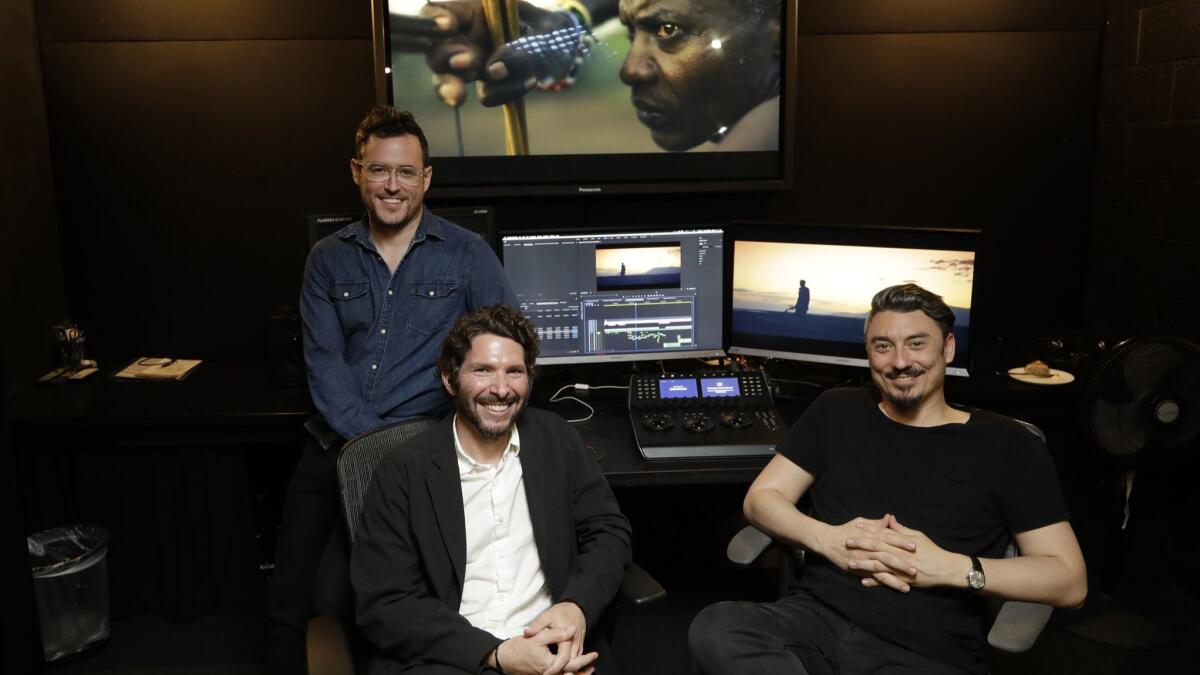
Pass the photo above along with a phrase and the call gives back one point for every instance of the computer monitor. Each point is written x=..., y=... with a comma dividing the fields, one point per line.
x=620, y=295
x=803, y=292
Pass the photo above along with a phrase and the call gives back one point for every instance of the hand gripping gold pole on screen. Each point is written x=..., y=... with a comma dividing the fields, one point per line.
x=504, y=26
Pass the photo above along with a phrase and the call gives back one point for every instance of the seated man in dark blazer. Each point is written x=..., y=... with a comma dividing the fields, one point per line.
x=491, y=540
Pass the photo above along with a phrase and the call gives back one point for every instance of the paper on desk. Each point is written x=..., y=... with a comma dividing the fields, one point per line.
x=158, y=368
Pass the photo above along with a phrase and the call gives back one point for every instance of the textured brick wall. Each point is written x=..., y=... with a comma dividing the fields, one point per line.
x=1144, y=259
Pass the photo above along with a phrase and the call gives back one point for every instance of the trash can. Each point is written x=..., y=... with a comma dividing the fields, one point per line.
x=70, y=581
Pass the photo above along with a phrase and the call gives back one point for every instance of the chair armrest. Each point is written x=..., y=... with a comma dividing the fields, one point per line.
x=639, y=588
x=745, y=546
x=328, y=647
x=1018, y=625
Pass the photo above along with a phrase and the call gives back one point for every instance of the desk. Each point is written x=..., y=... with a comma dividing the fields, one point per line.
x=177, y=472
x=218, y=403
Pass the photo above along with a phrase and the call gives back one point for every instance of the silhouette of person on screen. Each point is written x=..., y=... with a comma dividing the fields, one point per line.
x=801, y=306
x=703, y=74
x=622, y=269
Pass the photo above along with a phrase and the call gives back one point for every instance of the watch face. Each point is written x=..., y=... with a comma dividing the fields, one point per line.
x=975, y=579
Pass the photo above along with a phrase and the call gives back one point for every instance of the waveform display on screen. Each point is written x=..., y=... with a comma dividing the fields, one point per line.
x=624, y=325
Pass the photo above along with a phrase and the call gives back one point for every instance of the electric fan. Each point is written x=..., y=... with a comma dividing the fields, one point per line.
x=1141, y=404
x=1140, y=408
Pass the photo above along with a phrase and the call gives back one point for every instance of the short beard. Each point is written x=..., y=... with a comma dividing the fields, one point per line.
x=466, y=408
x=903, y=403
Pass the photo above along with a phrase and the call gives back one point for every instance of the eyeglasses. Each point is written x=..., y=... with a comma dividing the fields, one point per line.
x=405, y=175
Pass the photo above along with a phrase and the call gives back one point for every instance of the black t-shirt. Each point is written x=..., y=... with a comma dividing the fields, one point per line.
x=966, y=486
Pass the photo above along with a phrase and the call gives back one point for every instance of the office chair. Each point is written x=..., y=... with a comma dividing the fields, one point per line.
x=334, y=643
x=1015, y=628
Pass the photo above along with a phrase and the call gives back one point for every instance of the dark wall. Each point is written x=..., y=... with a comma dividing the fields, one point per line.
x=31, y=278
x=191, y=139
x=1145, y=245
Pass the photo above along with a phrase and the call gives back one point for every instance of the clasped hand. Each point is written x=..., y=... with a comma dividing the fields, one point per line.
x=883, y=552
x=562, y=625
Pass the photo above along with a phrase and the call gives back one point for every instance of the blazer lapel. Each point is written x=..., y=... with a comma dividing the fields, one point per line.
x=533, y=468
x=445, y=492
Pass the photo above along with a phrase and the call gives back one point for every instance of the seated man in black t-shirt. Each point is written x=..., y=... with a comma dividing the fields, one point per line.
x=913, y=503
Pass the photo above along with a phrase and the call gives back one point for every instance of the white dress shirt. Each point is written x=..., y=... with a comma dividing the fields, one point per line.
x=504, y=588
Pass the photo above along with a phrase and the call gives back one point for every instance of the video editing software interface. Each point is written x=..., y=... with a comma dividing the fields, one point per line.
x=620, y=295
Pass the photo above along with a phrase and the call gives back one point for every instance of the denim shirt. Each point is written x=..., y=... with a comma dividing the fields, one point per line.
x=372, y=338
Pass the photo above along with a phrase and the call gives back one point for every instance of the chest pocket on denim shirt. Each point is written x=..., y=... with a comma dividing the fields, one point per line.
x=352, y=302
x=432, y=304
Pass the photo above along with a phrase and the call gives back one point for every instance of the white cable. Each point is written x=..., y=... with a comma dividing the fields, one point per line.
x=579, y=386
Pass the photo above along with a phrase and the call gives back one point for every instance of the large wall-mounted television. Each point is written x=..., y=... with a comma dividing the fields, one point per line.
x=667, y=96
x=803, y=292
x=620, y=295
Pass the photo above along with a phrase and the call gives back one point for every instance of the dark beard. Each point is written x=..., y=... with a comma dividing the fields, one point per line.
x=903, y=403
x=906, y=403
x=466, y=408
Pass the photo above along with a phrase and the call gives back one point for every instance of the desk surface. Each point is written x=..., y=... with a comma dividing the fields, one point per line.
x=224, y=402
x=230, y=403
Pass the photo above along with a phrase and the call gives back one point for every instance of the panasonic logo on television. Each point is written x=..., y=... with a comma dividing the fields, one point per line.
x=590, y=189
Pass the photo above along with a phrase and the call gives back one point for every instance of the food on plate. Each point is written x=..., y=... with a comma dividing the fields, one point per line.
x=1038, y=369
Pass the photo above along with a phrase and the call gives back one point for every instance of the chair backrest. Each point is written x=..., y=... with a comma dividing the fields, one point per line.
x=358, y=459
x=1018, y=624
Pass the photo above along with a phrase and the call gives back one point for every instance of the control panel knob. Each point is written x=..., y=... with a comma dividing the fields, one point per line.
x=658, y=422
x=737, y=419
x=698, y=424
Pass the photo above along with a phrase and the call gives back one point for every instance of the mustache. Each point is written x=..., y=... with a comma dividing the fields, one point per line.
x=911, y=371
x=511, y=398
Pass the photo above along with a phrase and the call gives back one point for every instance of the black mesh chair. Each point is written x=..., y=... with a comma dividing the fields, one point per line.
x=334, y=644
x=1015, y=628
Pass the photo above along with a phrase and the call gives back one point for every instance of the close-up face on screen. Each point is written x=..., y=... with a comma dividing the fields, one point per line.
x=648, y=76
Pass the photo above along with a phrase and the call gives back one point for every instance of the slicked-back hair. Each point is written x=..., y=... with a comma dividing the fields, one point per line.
x=385, y=121
x=500, y=320
x=912, y=298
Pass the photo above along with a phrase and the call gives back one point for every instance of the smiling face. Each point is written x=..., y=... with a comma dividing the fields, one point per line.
x=908, y=358
x=695, y=66
x=492, y=387
x=391, y=204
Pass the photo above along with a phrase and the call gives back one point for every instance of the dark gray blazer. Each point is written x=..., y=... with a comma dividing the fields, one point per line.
x=408, y=561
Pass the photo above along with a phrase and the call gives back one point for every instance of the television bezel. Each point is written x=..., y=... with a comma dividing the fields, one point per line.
x=627, y=357
x=317, y=223
x=891, y=236
x=782, y=181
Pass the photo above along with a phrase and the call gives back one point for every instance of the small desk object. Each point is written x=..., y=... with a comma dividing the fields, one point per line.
x=707, y=414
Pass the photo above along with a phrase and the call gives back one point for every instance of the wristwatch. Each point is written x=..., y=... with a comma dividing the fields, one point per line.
x=976, y=579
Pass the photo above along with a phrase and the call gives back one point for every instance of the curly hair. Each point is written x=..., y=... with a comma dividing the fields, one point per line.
x=385, y=121
x=500, y=320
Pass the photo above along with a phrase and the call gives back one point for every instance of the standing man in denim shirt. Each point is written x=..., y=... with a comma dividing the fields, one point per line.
x=378, y=298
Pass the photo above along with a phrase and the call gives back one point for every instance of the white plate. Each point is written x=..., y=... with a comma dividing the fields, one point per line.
x=1056, y=376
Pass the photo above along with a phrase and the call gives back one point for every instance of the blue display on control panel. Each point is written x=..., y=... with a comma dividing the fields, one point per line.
x=680, y=388
x=720, y=386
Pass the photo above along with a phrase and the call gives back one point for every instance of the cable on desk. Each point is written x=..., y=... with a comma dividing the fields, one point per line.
x=579, y=386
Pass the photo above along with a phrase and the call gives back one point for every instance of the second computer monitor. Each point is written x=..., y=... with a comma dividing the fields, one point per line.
x=803, y=292
x=620, y=295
